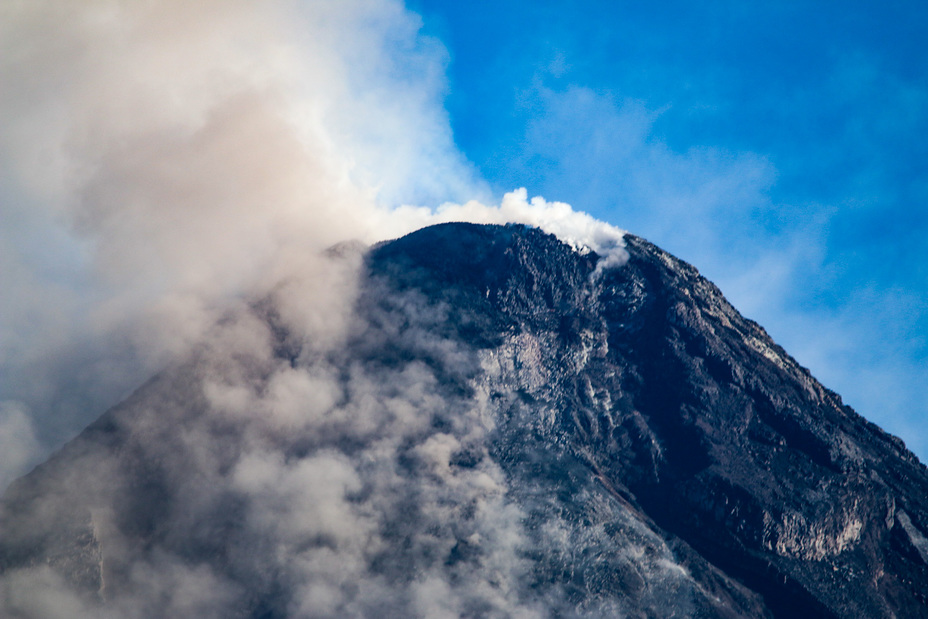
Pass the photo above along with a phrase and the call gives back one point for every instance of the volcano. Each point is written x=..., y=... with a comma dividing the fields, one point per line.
x=505, y=426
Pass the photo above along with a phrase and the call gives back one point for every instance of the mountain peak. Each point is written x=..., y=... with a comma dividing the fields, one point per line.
x=507, y=428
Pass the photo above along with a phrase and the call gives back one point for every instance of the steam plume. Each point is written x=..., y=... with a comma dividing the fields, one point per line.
x=171, y=168
x=164, y=158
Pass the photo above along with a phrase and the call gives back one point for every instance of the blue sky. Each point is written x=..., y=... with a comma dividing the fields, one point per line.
x=778, y=146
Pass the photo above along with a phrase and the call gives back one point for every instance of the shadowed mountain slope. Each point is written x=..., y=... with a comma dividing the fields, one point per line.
x=504, y=430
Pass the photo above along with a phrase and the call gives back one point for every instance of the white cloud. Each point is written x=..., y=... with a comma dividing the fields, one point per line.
x=605, y=154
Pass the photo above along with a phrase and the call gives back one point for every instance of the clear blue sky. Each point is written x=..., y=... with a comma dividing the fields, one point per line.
x=778, y=146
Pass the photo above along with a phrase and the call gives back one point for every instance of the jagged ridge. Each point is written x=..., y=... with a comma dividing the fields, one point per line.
x=660, y=454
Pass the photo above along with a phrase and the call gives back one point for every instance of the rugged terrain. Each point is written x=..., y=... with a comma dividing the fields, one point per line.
x=502, y=430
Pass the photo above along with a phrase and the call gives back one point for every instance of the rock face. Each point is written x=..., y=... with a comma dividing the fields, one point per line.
x=504, y=431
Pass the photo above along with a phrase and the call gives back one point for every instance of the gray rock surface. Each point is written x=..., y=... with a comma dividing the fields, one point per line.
x=515, y=434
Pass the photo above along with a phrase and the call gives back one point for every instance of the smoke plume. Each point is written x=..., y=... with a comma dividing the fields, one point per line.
x=163, y=159
x=178, y=181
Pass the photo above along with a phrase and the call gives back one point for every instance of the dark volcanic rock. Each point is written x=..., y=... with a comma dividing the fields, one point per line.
x=660, y=454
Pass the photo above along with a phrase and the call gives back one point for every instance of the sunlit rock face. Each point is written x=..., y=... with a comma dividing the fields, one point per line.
x=499, y=428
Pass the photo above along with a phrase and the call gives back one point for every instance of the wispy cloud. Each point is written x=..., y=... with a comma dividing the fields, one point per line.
x=590, y=148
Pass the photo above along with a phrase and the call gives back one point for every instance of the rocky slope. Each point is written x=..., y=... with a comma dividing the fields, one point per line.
x=504, y=430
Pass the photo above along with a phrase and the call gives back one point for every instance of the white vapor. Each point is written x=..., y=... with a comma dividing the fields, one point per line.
x=161, y=159
x=179, y=181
